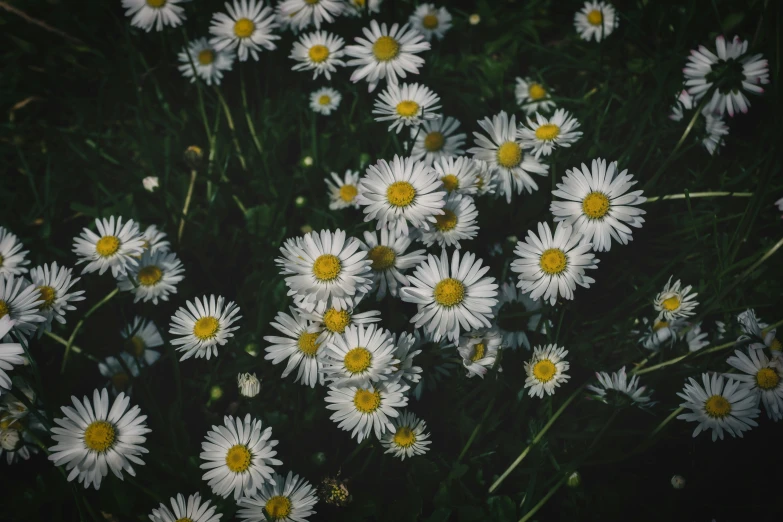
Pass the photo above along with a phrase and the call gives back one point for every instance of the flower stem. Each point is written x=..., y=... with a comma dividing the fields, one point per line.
x=186, y=206
x=232, y=128
x=700, y=195
x=476, y=430
x=543, y=501
x=666, y=421
x=74, y=348
x=69, y=343
x=248, y=116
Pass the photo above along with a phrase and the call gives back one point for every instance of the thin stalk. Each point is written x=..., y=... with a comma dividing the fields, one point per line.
x=232, y=128
x=75, y=348
x=544, y=500
x=21, y=397
x=78, y=326
x=248, y=116
x=666, y=421
x=700, y=195
x=198, y=81
x=476, y=429
x=186, y=206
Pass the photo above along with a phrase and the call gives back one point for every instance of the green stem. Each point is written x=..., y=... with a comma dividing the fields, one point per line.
x=476, y=429
x=69, y=343
x=197, y=81
x=75, y=348
x=248, y=116
x=232, y=128
x=186, y=206
x=666, y=421
x=700, y=195
x=544, y=500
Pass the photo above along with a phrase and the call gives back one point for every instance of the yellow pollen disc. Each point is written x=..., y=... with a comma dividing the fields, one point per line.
x=1, y=259
x=544, y=371
x=120, y=381
x=449, y=292
x=244, y=28
x=327, y=267
x=307, y=345
x=4, y=309
x=156, y=4
x=479, y=182
x=107, y=246
x=206, y=57
x=430, y=22
x=671, y=304
x=348, y=193
x=324, y=100
x=385, y=48
x=149, y=275
x=318, y=53
x=407, y=108
x=536, y=91
x=767, y=379
x=400, y=194
x=775, y=345
x=450, y=182
x=478, y=352
x=357, y=360
x=238, y=458
x=553, y=261
x=99, y=436
x=48, y=295
x=660, y=324
x=547, y=132
x=367, y=401
x=184, y=519
x=382, y=258
x=595, y=17
x=595, y=205
x=404, y=437
x=717, y=407
x=312, y=2
x=509, y=155
x=434, y=141
x=336, y=320
x=279, y=507
x=206, y=328
x=134, y=346
x=359, y=3
x=446, y=221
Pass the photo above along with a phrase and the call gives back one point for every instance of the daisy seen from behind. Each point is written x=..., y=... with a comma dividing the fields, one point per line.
x=760, y=334
x=515, y=314
x=289, y=500
x=436, y=139
x=406, y=105
x=710, y=128
x=20, y=302
x=618, y=391
x=546, y=370
x=203, y=326
x=116, y=246
x=11, y=354
x=408, y=437
x=201, y=59
x=154, y=278
x=12, y=257
x=533, y=96
x=675, y=301
x=457, y=223
x=596, y=20
x=325, y=100
x=545, y=134
x=360, y=357
x=319, y=52
x=299, y=346
x=364, y=411
x=303, y=13
x=719, y=405
x=149, y=14
x=343, y=191
x=479, y=351
x=458, y=175
x=140, y=336
x=389, y=260
x=762, y=376
x=115, y=371
x=247, y=28
x=191, y=510
x=431, y=21
x=54, y=284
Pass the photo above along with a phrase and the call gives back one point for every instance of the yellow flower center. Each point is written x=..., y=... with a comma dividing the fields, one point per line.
x=595, y=205
x=149, y=275
x=446, y=221
x=244, y=28
x=547, y=132
x=429, y=21
x=449, y=292
x=367, y=401
x=156, y=4
x=400, y=194
x=434, y=141
x=307, y=344
x=382, y=257
x=120, y=381
x=385, y=48
x=327, y=267
x=671, y=304
x=553, y=261
x=544, y=371
x=404, y=437
x=279, y=507
x=509, y=155
x=4, y=309
x=107, y=246
x=717, y=407
x=238, y=458
x=407, y=108
x=359, y=3
x=318, y=53
x=478, y=352
x=595, y=17
x=660, y=324
x=48, y=295
x=184, y=519
x=324, y=99
x=479, y=182
x=357, y=360
x=206, y=328
x=450, y=182
x=312, y=2
x=536, y=91
x=1, y=259
x=767, y=378
x=348, y=192
x=206, y=57
x=336, y=320
x=775, y=345
x=99, y=436
x=134, y=346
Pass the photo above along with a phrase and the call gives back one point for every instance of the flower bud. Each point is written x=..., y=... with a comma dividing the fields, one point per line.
x=300, y=201
x=474, y=19
x=9, y=439
x=249, y=385
x=574, y=480
x=307, y=161
x=215, y=393
x=678, y=482
x=194, y=156
x=150, y=183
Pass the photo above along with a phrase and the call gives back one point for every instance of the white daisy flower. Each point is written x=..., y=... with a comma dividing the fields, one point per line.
x=247, y=28
x=615, y=389
x=239, y=457
x=658, y=331
x=714, y=128
x=761, y=376
x=501, y=148
x=319, y=51
x=696, y=339
x=300, y=346
x=285, y=500
x=408, y=436
x=192, y=510
x=249, y=385
x=343, y=192
x=94, y=438
x=386, y=53
x=451, y=296
x=389, y=260
x=325, y=100
x=18, y=433
x=146, y=14
x=204, y=326
x=11, y=354
x=719, y=405
x=360, y=7
x=596, y=20
x=401, y=192
x=11, y=407
x=431, y=21
x=437, y=358
x=435, y=139
x=458, y=222
x=117, y=372
x=201, y=59
x=552, y=266
x=12, y=259
x=360, y=357
x=304, y=13
x=758, y=333
x=364, y=411
x=117, y=247
x=479, y=351
x=533, y=97
x=20, y=302
x=514, y=313
x=405, y=105
x=332, y=322
x=486, y=178
x=53, y=283
x=154, y=278
x=154, y=240
x=405, y=371
x=598, y=204
x=546, y=370
x=457, y=174
x=733, y=74
x=545, y=134
x=674, y=302
x=140, y=336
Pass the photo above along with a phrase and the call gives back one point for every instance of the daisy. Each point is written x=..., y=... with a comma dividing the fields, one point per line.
x=712, y=128
x=333, y=322
x=545, y=134
x=300, y=346
x=140, y=336
x=150, y=183
x=389, y=260
x=437, y=358
x=533, y=97
x=514, y=313
x=53, y=284
x=759, y=333
x=360, y=357
x=20, y=302
x=457, y=174
x=479, y=352
x=12, y=259
x=386, y=53
x=117, y=372
x=451, y=296
x=458, y=222
x=406, y=105
x=762, y=376
x=247, y=28
x=359, y=7
x=401, y=192
x=615, y=389
x=11, y=354
x=719, y=406
x=696, y=339
x=343, y=192
x=289, y=499
x=201, y=59
x=733, y=75
x=18, y=437
x=596, y=20
x=675, y=302
x=404, y=370
x=364, y=411
x=431, y=21
x=194, y=510
x=325, y=100
x=501, y=148
x=203, y=326
x=310, y=12
x=146, y=14
x=154, y=278
x=319, y=52
x=552, y=266
x=249, y=385
x=598, y=204
x=435, y=139
x=238, y=457
x=94, y=438
x=11, y=407
x=408, y=436
x=486, y=178
x=658, y=331
x=546, y=370
x=117, y=247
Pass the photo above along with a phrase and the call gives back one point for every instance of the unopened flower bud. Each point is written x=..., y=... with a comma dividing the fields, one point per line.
x=678, y=482
x=307, y=161
x=9, y=439
x=194, y=156
x=574, y=480
x=150, y=183
x=474, y=19
x=300, y=201
x=215, y=393
x=249, y=385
